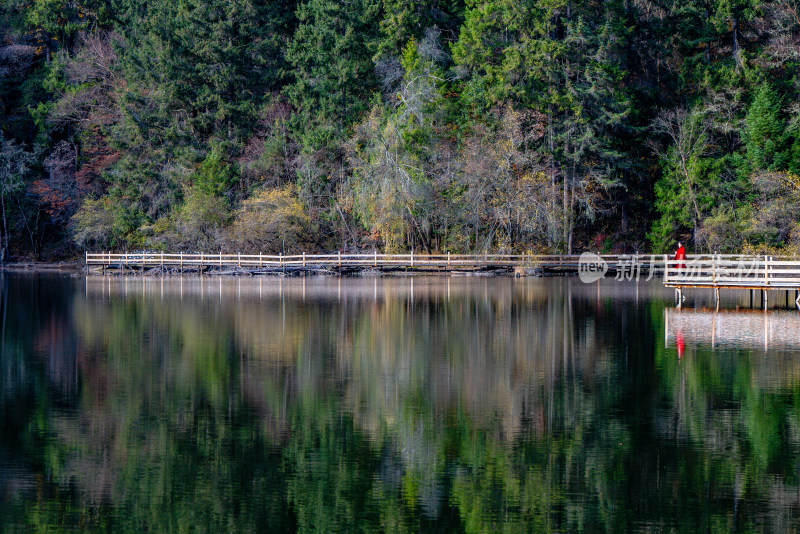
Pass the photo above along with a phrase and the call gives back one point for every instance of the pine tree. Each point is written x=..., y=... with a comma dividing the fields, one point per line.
x=331, y=53
x=490, y=48
x=764, y=131
x=404, y=20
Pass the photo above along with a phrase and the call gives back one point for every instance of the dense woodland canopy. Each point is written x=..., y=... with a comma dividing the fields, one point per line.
x=428, y=125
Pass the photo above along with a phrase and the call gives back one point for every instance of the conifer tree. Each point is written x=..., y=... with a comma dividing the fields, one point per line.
x=764, y=131
x=331, y=55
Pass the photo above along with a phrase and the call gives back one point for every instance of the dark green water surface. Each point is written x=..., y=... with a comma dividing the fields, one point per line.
x=392, y=405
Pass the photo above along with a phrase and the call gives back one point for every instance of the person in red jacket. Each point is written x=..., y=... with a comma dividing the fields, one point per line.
x=681, y=255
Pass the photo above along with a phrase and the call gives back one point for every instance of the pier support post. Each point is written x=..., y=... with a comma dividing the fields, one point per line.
x=764, y=296
x=716, y=296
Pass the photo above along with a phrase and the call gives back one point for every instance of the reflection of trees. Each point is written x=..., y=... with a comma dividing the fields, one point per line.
x=741, y=408
x=492, y=405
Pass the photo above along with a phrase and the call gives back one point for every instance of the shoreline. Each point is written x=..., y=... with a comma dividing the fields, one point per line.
x=78, y=267
x=42, y=267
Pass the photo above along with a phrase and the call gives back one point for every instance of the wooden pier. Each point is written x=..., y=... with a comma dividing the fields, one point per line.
x=521, y=264
x=753, y=273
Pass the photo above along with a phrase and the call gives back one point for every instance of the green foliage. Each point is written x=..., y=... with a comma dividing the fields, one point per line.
x=61, y=19
x=93, y=224
x=215, y=176
x=490, y=46
x=404, y=20
x=201, y=219
x=331, y=54
x=374, y=110
x=764, y=131
x=209, y=62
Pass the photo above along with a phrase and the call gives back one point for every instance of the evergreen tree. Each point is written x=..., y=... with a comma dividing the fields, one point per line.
x=764, y=131
x=404, y=20
x=331, y=54
x=490, y=48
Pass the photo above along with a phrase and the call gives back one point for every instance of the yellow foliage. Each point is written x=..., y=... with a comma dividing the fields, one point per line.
x=272, y=220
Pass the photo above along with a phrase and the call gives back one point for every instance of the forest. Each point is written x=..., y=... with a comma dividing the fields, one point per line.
x=511, y=126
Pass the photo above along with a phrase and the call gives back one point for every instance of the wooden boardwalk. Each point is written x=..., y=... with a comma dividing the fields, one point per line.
x=339, y=262
x=754, y=273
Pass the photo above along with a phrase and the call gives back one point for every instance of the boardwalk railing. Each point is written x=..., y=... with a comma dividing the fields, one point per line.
x=365, y=260
x=753, y=272
x=697, y=270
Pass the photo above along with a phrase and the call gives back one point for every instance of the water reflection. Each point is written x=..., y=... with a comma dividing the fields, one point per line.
x=412, y=404
x=736, y=329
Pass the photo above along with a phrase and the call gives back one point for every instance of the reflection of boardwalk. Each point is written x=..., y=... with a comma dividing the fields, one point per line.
x=740, y=329
x=317, y=287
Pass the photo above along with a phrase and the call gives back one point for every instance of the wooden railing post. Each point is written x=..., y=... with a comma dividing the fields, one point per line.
x=766, y=271
x=412, y=257
x=714, y=268
x=376, y=257
x=304, y=259
x=666, y=269
x=448, y=259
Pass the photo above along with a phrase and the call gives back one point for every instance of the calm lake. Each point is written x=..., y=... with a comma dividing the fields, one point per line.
x=393, y=404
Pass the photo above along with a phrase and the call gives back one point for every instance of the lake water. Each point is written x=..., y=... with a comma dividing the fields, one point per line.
x=392, y=404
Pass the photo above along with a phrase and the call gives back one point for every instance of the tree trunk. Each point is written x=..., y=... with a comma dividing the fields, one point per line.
x=737, y=52
x=565, y=204
x=4, y=237
x=571, y=222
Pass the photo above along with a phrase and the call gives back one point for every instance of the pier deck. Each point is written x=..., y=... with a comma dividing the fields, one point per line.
x=754, y=273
